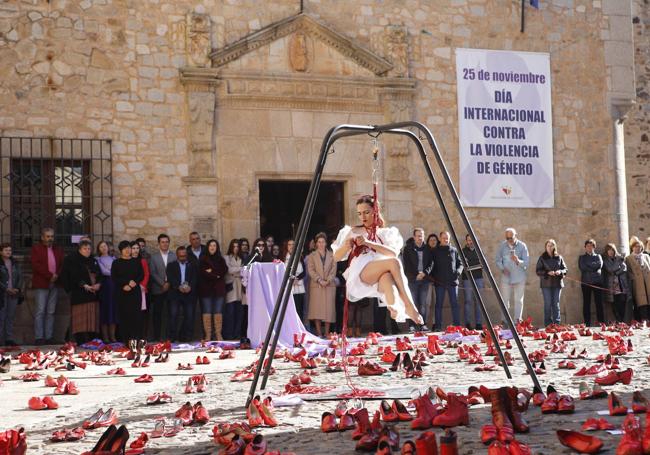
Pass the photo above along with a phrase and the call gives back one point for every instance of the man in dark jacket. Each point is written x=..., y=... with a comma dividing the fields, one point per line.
x=472, y=261
x=47, y=262
x=182, y=278
x=447, y=268
x=418, y=263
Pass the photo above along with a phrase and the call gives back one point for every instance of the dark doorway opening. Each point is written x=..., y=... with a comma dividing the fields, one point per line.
x=282, y=202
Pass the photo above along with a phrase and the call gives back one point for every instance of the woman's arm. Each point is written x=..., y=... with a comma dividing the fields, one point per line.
x=311, y=269
x=378, y=247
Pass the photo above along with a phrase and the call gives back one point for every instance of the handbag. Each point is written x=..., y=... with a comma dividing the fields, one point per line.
x=229, y=287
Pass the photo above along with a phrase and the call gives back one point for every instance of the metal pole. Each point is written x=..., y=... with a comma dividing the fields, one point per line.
x=523, y=8
x=445, y=213
x=479, y=250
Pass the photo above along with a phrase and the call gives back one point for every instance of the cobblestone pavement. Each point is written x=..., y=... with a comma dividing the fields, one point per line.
x=299, y=426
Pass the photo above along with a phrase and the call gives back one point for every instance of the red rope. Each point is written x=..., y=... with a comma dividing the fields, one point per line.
x=356, y=251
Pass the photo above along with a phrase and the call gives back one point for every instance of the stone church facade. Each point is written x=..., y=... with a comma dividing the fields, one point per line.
x=200, y=100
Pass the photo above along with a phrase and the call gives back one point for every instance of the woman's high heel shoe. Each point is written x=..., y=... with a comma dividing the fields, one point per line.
x=104, y=440
x=396, y=362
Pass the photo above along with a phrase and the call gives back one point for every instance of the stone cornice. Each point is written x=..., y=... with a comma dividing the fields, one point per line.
x=362, y=56
x=199, y=76
x=199, y=180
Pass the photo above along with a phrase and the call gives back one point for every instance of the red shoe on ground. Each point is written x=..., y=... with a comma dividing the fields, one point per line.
x=200, y=414
x=579, y=442
x=457, y=413
x=185, y=413
x=613, y=377
x=616, y=408
x=328, y=423
x=36, y=404
x=632, y=441
x=639, y=403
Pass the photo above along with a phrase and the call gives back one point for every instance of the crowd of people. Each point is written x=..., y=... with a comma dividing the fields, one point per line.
x=138, y=292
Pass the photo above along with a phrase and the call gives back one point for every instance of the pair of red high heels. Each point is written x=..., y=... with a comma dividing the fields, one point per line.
x=238, y=446
x=159, y=398
x=67, y=435
x=617, y=408
x=396, y=412
x=112, y=441
x=189, y=414
x=197, y=386
x=260, y=413
x=139, y=362
x=100, y=419
x=144, y=379
x=589, y=393
x=203, y=360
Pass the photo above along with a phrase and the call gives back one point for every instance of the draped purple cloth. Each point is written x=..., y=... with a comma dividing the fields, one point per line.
x=264, y=281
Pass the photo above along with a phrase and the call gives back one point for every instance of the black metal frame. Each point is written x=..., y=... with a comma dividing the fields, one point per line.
x=43, y=167
x=341, y=131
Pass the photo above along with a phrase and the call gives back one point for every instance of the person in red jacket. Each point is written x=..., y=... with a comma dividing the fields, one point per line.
x=47, y=261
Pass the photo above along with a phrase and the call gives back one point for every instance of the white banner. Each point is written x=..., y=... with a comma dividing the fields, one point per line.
x=505, y=133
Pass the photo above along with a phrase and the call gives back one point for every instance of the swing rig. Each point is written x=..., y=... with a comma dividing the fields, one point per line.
x=400, y=129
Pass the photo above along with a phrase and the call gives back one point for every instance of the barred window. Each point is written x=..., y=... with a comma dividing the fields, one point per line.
x=60, y=183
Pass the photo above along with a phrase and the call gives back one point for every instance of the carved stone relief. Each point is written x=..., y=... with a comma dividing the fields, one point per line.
x=299, y=52
x=396, y=48
x=201, y=116
x=398, y=107
x=198, y=40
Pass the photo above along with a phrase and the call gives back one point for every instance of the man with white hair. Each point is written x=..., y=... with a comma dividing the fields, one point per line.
x=512, y=260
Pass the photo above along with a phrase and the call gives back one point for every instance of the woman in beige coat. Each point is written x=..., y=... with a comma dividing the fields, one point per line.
x=638, y=271
x=321, y=268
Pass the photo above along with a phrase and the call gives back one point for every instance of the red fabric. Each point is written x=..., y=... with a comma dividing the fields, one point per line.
x=41, y=276
x=145, y=267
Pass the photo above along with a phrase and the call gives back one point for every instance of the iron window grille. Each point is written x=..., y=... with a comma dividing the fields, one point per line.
x=65, y=184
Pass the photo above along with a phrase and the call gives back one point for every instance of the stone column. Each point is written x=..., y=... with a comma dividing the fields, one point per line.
x=201, y=85
x=620, y=109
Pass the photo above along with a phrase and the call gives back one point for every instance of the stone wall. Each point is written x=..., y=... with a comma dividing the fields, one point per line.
x=118, y=69
x=637, y=128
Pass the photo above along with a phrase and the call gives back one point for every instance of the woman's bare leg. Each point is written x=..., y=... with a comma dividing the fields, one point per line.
x=327, y=329
x=386, y=286
x=374, y=271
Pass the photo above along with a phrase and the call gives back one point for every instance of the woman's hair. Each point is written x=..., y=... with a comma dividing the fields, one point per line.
x=320, y=235
x=231, y=247
x=99, y=253
x=123, y=244
x=4, y=245
x=368, y=199
x=135, y=243
x=433, y=236
x=610, y=246
x=258, y=240
x=552, y=242
x=207, y=247
x=590, y=241
x=84, y=243
x=636, y=242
